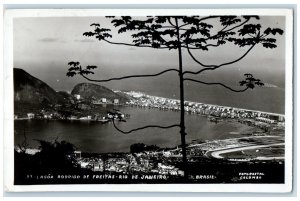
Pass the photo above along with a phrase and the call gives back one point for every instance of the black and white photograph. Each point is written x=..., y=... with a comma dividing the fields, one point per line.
x=139, y=97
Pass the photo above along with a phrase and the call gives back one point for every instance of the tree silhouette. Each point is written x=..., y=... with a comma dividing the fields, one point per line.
x=184, y=32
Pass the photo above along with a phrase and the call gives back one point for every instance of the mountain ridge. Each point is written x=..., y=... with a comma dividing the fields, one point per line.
x=30, y=89
x=32, y=94
x=91, y=90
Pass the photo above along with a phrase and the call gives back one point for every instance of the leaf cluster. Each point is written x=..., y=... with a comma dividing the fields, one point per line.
x=99, y=33
x=250, y=81
x=194, y=31
x=75, y=68
x=251, y=34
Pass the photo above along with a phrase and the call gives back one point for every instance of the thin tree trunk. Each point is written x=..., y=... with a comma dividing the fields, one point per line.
x=182, y=122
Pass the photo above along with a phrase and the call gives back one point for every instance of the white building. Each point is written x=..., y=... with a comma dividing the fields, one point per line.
x=281, y=118
x=30, y=115
x=77, y=96
x=103, y=100
x=77, y=154
x=266, y=120
x=86, y=118
x=167, y=153
x=116, y=101
x=48, y=116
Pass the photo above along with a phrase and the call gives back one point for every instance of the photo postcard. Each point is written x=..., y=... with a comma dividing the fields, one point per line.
x=148, y=100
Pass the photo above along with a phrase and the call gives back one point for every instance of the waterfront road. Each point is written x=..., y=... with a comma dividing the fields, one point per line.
x=217, y=153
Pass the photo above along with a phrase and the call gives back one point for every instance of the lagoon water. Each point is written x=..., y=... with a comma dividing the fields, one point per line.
x=96, y=137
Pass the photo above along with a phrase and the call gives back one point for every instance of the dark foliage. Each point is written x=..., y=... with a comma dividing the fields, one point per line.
x=250, y=81
x=141, y=147
x=195, y=32
x=75, y=68
x=56, y=155
x=53, y=157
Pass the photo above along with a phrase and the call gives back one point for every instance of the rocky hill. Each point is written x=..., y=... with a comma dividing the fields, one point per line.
x=32, y=94
x=89, y=90
x=28, y=89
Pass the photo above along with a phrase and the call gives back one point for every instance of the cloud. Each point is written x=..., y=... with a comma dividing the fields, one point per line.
x=49, y=40
x=131, y=48
x=84, y=41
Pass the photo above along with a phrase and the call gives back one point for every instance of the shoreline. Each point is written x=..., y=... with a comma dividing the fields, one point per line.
x=212, y=113
x=210, y=148
x=143, y=100
x=193, y=102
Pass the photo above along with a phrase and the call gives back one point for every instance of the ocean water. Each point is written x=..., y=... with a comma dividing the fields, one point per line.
x=267, y=99
x=100, y=138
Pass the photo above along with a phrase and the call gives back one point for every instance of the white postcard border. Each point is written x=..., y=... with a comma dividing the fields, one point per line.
x=9, y=119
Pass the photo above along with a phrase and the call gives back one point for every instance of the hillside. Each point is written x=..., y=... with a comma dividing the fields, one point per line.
x=89, y=90
x=32, y=94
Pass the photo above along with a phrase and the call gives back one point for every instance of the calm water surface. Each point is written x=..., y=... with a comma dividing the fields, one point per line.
x=100, y=138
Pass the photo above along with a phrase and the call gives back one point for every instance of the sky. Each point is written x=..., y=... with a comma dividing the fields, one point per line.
x=43, y=46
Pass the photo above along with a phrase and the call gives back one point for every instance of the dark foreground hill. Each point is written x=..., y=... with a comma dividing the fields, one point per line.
x=29, y=90
x=89, y=90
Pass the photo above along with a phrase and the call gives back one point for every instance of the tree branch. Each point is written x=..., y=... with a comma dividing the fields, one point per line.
x=211, y=45
x=130, y=76
x=169, y=20
x=230, y=29
x=213, y=67
x=192, y=48
x=167, y=27
x=144, y=127
x=251, y=35
x=208, y=17
x=132, y=45
x=215, y=83
x=147, y=28
x=183, y=26
x=247, y=20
